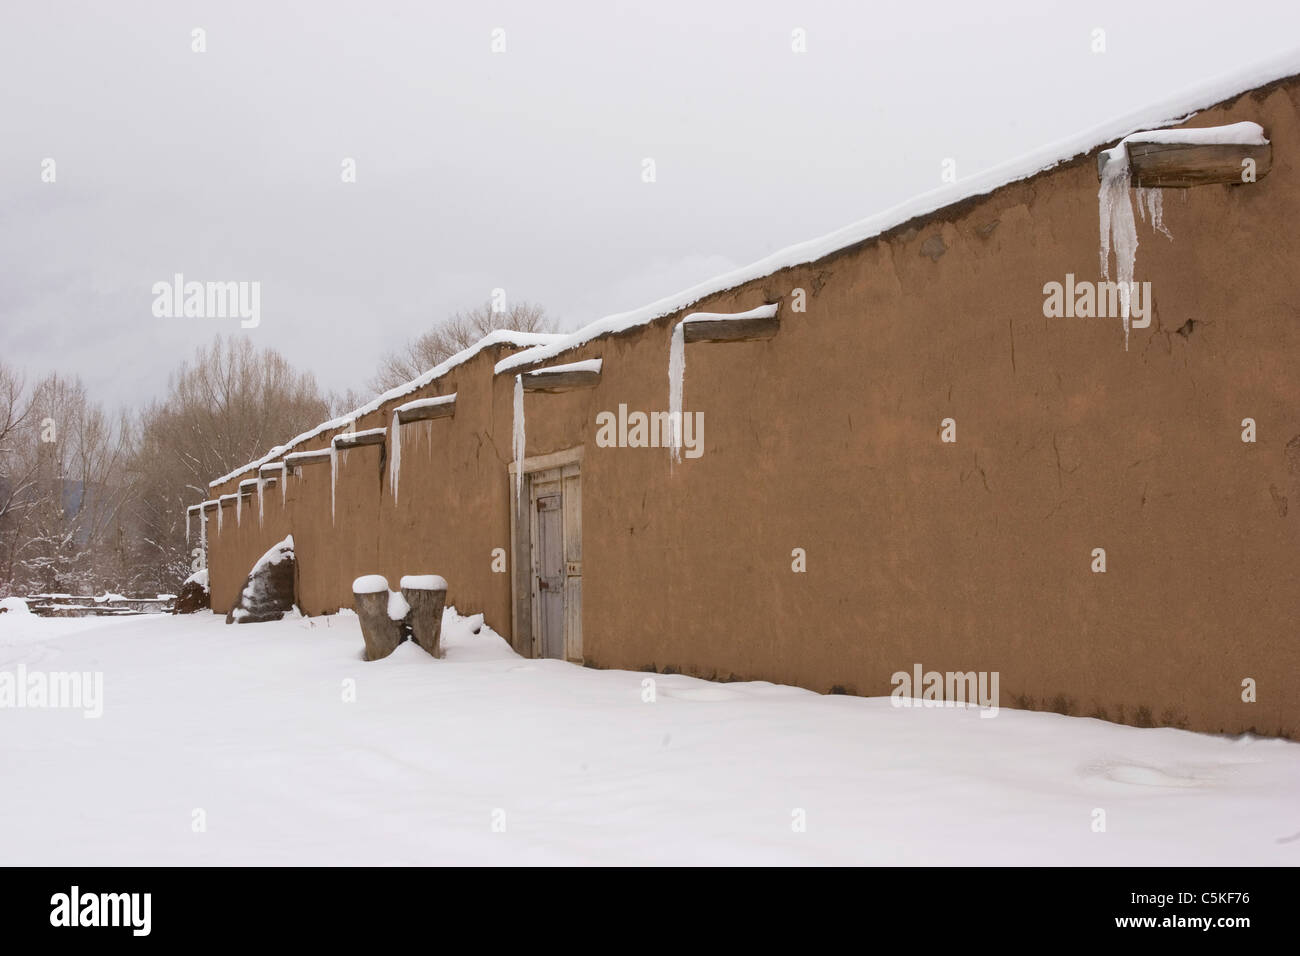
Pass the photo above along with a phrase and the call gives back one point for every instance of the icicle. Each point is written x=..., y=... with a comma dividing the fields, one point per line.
x=219, y=510
x=428, y=437
x=1115, y=213
x=239, y=507
x=334, y=476
x=187, y=530
x=519, y=437
x=676, y=373
x=284, y=485
x=1156, y=203
x=260, y=483
x=203, y=534
x=395, y=459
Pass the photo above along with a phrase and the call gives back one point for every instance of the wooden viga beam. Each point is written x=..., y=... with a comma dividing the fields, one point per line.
x=1180, y=165
x=739, y=329
x=349, y=440
x=564, y=378
x=426, y=410
x=299, y=458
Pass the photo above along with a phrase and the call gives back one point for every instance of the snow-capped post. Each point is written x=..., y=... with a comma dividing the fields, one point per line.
x=376, y=606
x=426, y=594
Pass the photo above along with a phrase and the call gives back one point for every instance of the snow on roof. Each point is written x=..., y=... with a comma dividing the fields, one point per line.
x=762, y=312
x=499, y=337
x=586, y=365
x=427, y=403
x=1168, y=112
x=346, y=437
x=298, y=456
x=1171, y=111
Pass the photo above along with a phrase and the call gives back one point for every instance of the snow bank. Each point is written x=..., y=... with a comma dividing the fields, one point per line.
x=200, y=578
x=14, y=605
x=423, y=582
x=584, y=767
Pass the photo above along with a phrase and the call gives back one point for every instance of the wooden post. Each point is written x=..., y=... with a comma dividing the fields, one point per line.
x=380, y=632
x=426, y=594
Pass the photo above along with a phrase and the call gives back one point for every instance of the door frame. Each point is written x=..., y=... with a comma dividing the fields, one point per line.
x=523, y=629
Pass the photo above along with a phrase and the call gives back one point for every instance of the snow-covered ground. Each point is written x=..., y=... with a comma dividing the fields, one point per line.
x=485, y=757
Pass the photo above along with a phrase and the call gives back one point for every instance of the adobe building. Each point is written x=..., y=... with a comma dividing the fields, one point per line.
x=921, y=445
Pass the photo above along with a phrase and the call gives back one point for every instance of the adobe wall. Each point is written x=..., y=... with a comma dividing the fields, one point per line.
x=967, y=556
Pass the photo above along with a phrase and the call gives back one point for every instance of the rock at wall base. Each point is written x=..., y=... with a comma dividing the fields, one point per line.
x=380, y=632
x=268, y=592
x=193, y=598
x=195, y=595
x=425, y=619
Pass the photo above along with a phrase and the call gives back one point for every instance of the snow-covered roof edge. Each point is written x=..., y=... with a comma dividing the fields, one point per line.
x=1170, y=111
x=1173, y=110
x=499, y=337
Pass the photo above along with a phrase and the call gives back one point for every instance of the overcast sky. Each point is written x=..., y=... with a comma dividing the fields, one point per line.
x=520, y=170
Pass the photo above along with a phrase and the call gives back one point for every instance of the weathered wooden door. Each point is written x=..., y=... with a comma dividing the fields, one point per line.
x=555, y=516
x=550, y=576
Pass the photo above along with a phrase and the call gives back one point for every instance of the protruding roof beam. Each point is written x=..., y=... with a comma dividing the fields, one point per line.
x=349, y=440
x=563, y=378
x=427, y=409
x=760, y=323
x=299, y=458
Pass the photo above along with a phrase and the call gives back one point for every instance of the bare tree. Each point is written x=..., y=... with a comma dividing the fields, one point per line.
x=72, y=505
x=455, y=334
x=18, y=465
x=227, y=407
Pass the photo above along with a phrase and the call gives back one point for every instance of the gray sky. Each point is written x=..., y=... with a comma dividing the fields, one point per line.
x=520, y=170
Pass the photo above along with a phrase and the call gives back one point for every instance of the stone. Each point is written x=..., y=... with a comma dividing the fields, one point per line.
x=268, y=591
x=194, y=597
